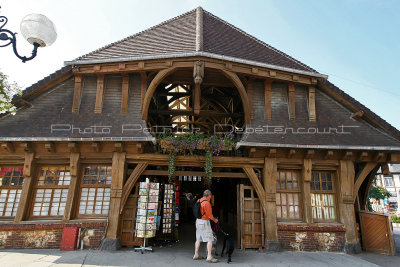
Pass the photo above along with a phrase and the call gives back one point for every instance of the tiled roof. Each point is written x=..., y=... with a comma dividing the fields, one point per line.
x=180, y=34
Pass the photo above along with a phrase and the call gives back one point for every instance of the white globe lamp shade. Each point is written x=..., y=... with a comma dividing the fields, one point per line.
x=37, y=28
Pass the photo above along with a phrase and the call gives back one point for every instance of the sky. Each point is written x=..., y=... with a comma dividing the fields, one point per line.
x=355, y=42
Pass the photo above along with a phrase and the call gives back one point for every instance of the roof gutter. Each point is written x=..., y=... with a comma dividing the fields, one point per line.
x=255, y=144
x=148, y=138
x=195, y=54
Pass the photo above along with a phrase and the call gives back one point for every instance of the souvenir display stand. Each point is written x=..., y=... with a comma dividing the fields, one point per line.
x=147, y=213
x=168, y=218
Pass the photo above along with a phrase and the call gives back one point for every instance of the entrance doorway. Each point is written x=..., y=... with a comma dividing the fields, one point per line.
x=189, y=187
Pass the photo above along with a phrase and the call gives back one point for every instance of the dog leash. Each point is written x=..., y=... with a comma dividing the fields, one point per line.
x=220, y=228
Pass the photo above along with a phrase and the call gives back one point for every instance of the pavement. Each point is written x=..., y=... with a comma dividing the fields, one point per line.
x=181, y=253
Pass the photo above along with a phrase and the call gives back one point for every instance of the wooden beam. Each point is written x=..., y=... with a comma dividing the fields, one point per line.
x=77, y=94
x=117, y=182
x=130, y=183
x=161, y=75
x=198, y=75
x=312, y=115
x=73, y=147
x=50, y=147
x=96, y=147
x=346, y=200
x=8, y=147
x=291, y=102
x=99, y=94
x=269, y=179
x=27, y=188
x=306, y=192
x=196, y=173
x=272, y=153
x=125, y=94
x=291, y=153
x=361, y=177
x=363, y=156
x=329, y=154
x=118, y=147
x=140, y=147
x=347, y=155
x=385, y=169
x=252, y=152
x=310, y=154
x=267, y=99
x=143, y=87
x=195, y=161
x=74, y=168
x=357, y=115
x=27, y=146
x=379, y=156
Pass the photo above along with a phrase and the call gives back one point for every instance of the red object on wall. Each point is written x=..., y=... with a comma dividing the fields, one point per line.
x=69, y=239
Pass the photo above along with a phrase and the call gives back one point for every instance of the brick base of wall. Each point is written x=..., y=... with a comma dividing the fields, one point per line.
x=311, y=238
x=47, y=235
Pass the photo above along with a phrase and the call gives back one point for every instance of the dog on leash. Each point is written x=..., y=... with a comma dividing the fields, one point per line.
x=229, y=245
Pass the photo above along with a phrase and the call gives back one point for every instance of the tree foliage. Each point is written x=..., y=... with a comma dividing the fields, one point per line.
x=379, y=193
x=7, y=91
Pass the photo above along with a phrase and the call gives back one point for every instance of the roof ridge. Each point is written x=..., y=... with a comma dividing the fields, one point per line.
x=261, y=42
x=136, y=34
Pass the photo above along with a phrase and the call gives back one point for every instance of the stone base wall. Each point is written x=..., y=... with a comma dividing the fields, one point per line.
x=311, y=238
x=47, y=235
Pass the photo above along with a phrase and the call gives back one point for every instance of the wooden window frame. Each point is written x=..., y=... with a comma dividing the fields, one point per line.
x=332, y=192
x=293, y=191
x=96, y=186
x=53, y=188
x=9, y=188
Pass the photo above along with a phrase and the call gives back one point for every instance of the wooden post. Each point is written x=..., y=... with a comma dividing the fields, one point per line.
x=74, y=163
x=27, y=188
x=112, y=241
x=125, y=94
x=292, y=106
x=143, y=88
x=77, y=94
x=346, y=205
x=311, y=104
x=267, y=100
x=271, y=227
x=306, y=194
x=99, y=94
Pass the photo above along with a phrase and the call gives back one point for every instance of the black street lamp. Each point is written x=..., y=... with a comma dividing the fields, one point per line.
x=37, y=29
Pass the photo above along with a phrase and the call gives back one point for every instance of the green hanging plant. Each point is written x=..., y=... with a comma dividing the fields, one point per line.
x=209, y=165
x=171, y=166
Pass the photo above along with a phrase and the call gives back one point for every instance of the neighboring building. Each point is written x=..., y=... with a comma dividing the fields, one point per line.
x=85, y=136
x=392, y=183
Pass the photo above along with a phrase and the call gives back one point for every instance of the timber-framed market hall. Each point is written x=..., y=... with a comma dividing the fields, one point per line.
x=85, y=137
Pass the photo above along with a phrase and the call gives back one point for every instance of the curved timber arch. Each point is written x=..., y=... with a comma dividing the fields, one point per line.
x=161, y=75
x=242, y=91
x=166, y=72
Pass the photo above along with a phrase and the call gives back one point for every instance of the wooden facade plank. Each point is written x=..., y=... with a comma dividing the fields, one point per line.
x=291, y=101
x=99, y=94
x=267, y=99
x=77, y=94
x=312, y=115
x=125, y=94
